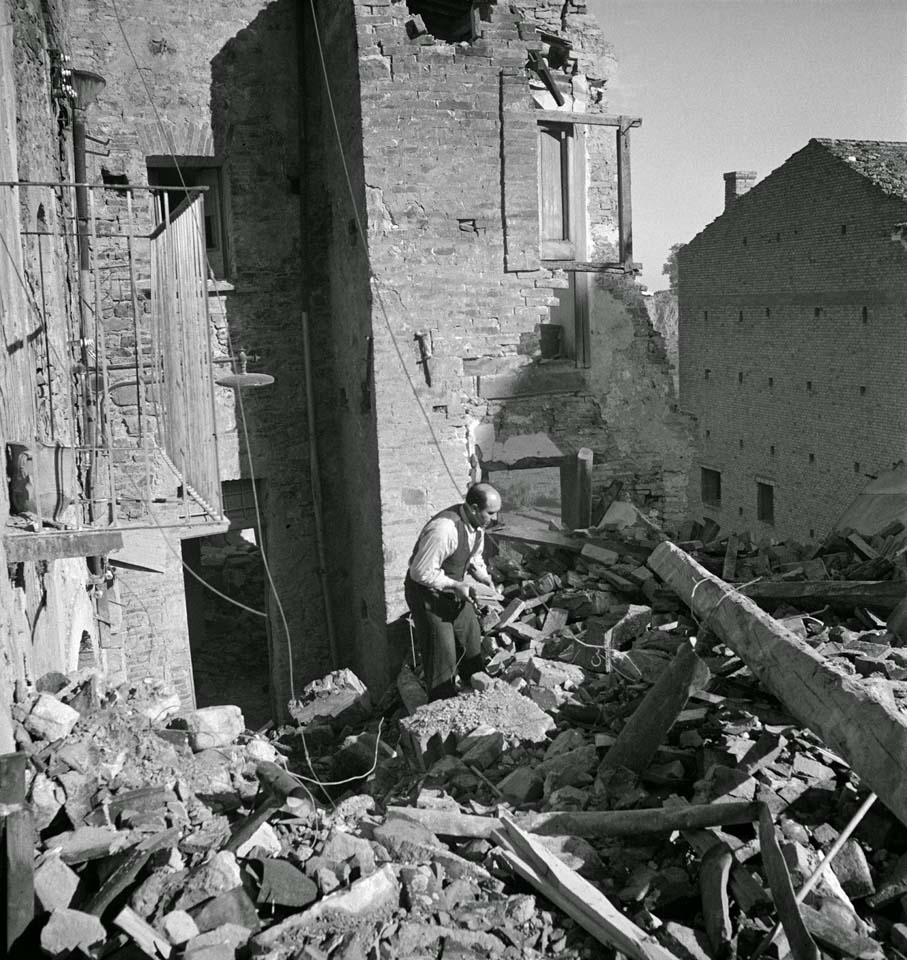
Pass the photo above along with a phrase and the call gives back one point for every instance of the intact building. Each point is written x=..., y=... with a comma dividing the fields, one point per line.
x=793, y=340
x=414, y=216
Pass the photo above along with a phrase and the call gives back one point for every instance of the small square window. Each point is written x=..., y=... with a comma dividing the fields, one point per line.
x=708, y=434
x=772, y=449
x=862, y=391
x=809, y=386
x=817, y=312
x=812, y=534
x=812, y=458
x=856, y=466
x=843, y=229
x=739, y=511
x=864, y=314
x=768, y=313
x=771, y=383
x=741, y=443
x=710, y=486
x=744, y=241
x=707, y=373
x=740, y=376
x=740, y=316
x=765, y=503
x=705, y=314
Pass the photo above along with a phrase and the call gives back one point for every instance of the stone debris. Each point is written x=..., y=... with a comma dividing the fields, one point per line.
x=612, y=742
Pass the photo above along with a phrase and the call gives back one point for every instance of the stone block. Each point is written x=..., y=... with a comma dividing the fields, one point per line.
x=485, y=751
x=522, y=785
x=55, y=884
x=219, y=944
x=178, y=927
x=212, y=727
x=264, y=839
x=551, y=674
x=234, y=908
x=480, y=681
x=219, y=874
x=851, y=868
x=331, y=697
x=50, y=719
x=69, y=931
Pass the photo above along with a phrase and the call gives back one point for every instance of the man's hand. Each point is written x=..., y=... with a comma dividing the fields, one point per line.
x=465, y=591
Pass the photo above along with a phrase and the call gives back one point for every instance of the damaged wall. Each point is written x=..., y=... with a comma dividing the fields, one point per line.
x=451, y=181
x=223, y=76
x=46, y=616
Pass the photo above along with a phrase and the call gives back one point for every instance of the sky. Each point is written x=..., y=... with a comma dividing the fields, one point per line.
x=741, y=85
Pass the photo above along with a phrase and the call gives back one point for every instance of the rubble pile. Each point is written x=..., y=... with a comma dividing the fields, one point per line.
x=616, y=784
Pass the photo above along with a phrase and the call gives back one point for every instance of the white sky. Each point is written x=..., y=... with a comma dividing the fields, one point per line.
x=741, y=85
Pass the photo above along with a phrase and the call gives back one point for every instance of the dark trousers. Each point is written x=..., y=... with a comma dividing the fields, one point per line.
x=448, y=632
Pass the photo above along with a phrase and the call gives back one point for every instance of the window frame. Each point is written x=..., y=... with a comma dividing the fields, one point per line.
x=761, y=511
x=707, y=473
x=197, y=172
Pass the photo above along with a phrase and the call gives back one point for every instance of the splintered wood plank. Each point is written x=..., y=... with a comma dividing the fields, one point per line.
x=578, y=898
x=865, y=730
x=884, y=594
x=802, y=945
x=647, y=728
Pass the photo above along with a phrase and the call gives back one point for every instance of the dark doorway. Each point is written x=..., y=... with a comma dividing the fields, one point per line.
x=229, y=645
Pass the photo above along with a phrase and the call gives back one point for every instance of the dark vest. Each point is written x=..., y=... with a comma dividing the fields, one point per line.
x=455, y=565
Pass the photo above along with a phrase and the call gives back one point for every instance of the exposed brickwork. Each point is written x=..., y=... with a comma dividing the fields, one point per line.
x=450, y=155
x=804, y=392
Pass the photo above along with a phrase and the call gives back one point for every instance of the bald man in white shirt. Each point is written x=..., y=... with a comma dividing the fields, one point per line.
x=449, y=546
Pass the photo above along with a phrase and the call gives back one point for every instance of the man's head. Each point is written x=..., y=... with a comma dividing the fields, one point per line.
x=483, y=503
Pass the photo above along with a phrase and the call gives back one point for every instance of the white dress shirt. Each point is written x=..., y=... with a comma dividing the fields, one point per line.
x=437, y=542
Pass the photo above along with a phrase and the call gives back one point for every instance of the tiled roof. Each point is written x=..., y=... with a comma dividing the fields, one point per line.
x=881, y=161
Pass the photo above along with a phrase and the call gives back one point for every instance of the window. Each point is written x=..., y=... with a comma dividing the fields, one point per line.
x=864, y=314
x=768, y=313
x=707, y=373
x=557, y=181
x=710, y=486
x=196, y=172
x=817, y=313
x=765, y=503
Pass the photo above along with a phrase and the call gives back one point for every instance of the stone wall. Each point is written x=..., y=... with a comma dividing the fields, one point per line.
x=45, y=612
x=792, y=344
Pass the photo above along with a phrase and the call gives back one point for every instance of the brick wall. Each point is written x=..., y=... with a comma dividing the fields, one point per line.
x=804, y=343
x=223, y=76
x=450, y=167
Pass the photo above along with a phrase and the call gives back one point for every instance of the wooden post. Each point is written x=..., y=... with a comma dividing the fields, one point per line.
x=624, y=211
x=17, y=853
x=851, y=719
x=576, y=489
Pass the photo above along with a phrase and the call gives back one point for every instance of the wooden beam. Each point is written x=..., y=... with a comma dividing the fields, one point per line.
x=585, y=823
x=17, y=886
x=624, y=208
x=26, y=547
x=802, y=945
x=588, y=266
x=578, y=898
x=869, y=733
x=597, y=119
x=647, y=728
x=576, y=489
x=713, y=882
x=884, y=594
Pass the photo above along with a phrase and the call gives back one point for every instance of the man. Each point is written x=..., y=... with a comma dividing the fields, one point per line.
x=449, y=545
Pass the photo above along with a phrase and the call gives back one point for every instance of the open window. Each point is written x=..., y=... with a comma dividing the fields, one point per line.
x=710, y=487
x=765, y=503
x=194, y=172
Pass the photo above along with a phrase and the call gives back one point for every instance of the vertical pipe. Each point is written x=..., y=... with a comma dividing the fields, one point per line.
x=81, y=192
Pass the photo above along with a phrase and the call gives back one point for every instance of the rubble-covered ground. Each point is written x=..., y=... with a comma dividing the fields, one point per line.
x=493, y=824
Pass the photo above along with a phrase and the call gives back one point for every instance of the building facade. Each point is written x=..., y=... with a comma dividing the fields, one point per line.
x=792, y=340
x=417, y=221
